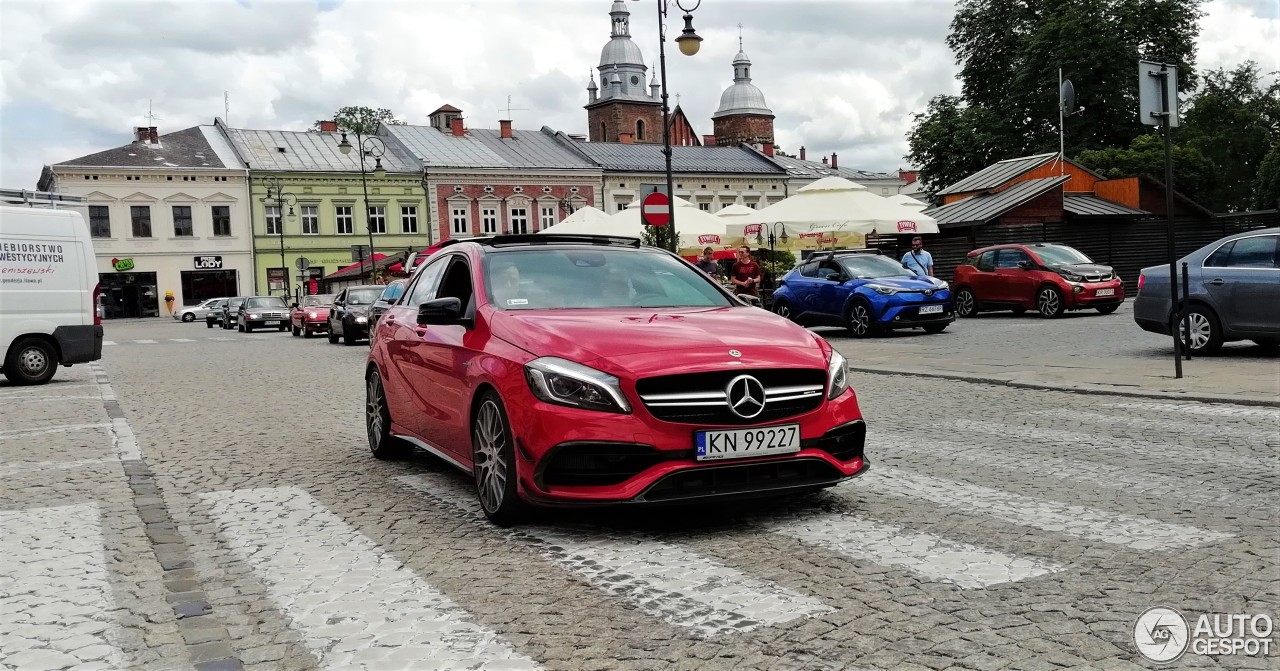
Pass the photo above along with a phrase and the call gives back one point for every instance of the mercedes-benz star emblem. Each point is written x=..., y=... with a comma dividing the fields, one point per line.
x=746, y=396
x=735, y=353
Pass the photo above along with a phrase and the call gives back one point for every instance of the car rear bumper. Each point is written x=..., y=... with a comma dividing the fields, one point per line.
x=79, y=344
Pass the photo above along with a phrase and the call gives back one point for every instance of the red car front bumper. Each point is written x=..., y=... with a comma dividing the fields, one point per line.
x=1094, y=294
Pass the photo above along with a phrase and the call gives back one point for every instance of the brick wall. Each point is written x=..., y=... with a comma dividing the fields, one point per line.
x=609, y=122
x=752, y=129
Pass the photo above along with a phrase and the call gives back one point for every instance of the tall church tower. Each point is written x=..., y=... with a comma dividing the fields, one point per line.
x=743, y=115
x=623, y=108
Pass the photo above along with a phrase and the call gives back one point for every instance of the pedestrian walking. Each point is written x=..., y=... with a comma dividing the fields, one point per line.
x=707, y=263
x=917, y=259
x=745, y=273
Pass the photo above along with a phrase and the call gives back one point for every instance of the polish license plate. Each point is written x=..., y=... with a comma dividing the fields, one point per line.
x=1105, y=292
x=271, y=322
x=930, y=309
x=741, y=443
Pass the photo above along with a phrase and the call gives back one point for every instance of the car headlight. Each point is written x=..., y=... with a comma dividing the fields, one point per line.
x=563, y=382
x=311, y=315
x=253, y=316
x=1072, y=277
x=882, y=289
x=940, y=286
x=362, y=319
x=837, y=375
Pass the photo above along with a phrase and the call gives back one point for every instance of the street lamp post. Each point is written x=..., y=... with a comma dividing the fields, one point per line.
x=689, y=42
x=278, y=197
x=773, y=238
x=369, y=146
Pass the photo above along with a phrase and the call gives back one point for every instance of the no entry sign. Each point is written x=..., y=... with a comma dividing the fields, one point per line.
x=655, y=209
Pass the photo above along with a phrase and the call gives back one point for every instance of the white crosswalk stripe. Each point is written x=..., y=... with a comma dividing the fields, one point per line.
x=924, y=554
x=1206, y=409
x=46, y=430
x=145, y=342
x=1083, y=471
x=1209, y=430
x=108, y=343
x=1085, y=442
x=55, y=567
x=181, y=340
x=355, y=606
x=657, y=577
x=1128, y=530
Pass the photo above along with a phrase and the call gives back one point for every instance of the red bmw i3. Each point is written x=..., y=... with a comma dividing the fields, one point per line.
x=587, y=370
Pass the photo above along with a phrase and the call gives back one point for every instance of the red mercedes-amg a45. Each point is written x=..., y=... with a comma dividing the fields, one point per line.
x=587, y=370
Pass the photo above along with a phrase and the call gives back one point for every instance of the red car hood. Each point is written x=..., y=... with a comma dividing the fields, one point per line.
x=685, y=337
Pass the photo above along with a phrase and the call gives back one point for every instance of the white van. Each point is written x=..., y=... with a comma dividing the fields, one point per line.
x=48, y=292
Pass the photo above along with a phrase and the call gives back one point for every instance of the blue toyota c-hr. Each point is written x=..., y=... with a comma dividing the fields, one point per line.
x=863, y=291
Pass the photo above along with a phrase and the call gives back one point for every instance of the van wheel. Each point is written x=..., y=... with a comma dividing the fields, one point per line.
x=30, y=361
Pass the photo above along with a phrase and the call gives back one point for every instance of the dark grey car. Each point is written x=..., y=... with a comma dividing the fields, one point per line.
x=230, y=311
x=1234, y=287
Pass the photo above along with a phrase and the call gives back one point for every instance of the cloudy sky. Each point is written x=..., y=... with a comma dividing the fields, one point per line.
x=842, y=75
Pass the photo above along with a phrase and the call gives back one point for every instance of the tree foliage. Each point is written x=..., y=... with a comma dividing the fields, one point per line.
x=1009, y=52
x=1233, y=121
x=1266, y=188
x=1194, y=175
x=362, y=120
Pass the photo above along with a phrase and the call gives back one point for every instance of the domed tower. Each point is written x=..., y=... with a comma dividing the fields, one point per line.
x=743, y=115
x=622, y=109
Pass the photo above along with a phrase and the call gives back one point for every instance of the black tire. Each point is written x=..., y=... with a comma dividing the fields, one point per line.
x=783, y=309
x=1107, y=309
x=966, y=303
x=297, y=332
x=208, y=323
x=306, y=333
x=347, y=338
x=245, y=327
x=377, y=421
x=494, y=464
x=935, y=328
x=187, y=317
x=1206, y=332
x=333, y=337
x=859, y=320
x=30, y=361
x=1270, y=345
x=1049, y=302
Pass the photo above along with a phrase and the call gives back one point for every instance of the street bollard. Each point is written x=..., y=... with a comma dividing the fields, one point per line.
x=1183, y=304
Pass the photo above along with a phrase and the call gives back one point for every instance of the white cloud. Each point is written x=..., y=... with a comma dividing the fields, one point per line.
x=842, y=76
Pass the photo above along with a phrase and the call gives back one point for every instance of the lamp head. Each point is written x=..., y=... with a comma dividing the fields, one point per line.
x=378, y=170
x=269, y=201
x=783, y=238
x=689, y=41
x=759, y=237
x=344, y=146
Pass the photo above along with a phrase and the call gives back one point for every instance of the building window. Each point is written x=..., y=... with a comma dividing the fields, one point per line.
x=604, y=136
x=310, y=220
x=182, y=221
x=378, y=218
x=548, y=218
x=621, y=206
x=141, y=216
x=222, y=220
x=705, y=207
x=100, y=221
x=489, y=220
x=408, y=219
x=639, y=130
x=459, y=219
x=275, y=226
x=346, y=223
x=519, y=220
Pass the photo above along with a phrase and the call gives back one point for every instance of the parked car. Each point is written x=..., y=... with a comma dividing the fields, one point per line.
x=201, y=311
x=349, y=315
x=311, y=316
x=1046, y=277
x=263, y=311
x=388, y=298
x=622, y=373
x=231, y=311
x=1234, y=293
x=863, y=291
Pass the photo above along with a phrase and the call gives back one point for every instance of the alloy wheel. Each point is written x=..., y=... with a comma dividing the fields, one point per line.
x=782, y=310
x=859, y=320
x=490, y=463
x=375, y=401
x=1196, y=331
x=1048, y=302
x=964, y=303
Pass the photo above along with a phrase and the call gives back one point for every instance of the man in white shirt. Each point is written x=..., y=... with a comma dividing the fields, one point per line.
x=917, y=260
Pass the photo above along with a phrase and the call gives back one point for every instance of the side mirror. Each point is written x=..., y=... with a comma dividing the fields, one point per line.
x=1025, y=265
x=834, y=277
x=441, y=312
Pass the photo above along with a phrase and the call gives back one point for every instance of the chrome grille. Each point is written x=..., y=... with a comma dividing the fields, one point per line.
x=702, y=398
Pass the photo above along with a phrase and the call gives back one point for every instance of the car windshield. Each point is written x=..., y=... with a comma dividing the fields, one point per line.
x=235, y=302
x=871, y=266
x=362, y=296
x=595, y=278
x=317, y=301
x=266, y=302
x=1055, y=255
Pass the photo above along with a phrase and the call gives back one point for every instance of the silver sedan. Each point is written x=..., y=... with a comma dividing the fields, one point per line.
x=194, y=312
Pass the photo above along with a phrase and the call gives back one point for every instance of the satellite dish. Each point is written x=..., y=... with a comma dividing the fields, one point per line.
x=1067, y=97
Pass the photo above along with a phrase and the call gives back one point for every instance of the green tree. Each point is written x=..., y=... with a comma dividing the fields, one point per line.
x=1194, y=175
x=1234, y=120
x=362, y=120
x=1266, y=188
x=1009, y=52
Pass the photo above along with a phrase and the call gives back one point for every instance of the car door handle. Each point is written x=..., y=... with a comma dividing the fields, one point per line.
x=1217, y=282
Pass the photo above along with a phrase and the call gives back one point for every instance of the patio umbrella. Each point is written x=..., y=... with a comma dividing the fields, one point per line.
x=697, y=229
x=735, y=210
x=907, y=201
x=830, y=211
x=586, y=220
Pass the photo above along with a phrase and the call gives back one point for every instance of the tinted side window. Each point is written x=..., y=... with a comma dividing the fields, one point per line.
x=987, y=262
x=827, y=267
x=1259, y=252
x=1220, y=257
x=1009, y=258
x=424, y=288
x=456, y=282
x=809, y=269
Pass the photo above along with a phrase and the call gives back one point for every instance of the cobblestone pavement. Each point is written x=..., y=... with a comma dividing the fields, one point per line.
x=212, y=505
